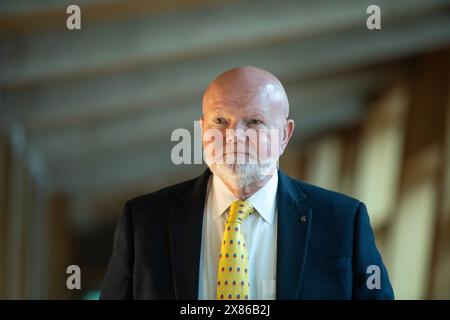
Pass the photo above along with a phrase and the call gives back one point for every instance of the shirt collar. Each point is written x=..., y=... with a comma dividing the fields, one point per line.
x=264, y=200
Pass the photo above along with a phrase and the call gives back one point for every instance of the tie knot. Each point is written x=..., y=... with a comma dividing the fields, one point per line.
x=239, y=210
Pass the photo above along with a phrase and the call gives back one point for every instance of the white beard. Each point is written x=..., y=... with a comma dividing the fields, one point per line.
x=242, y=175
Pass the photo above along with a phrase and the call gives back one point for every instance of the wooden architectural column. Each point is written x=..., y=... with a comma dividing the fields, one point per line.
x=15, y=215
x=379, y=159
x=37, y=229
x=416, y=232
x=61, y=248
x=438, y=72
x=22, y=219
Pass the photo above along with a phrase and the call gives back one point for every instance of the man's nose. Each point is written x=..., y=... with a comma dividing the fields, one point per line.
x=236, y=134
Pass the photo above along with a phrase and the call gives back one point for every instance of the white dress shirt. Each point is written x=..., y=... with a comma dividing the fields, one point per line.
x=260, y=232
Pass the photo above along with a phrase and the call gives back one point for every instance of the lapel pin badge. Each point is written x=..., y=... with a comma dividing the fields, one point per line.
x=303, y=219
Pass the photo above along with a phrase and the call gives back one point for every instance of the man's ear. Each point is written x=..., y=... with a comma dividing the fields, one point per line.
x=287, y=133
x=201, y=122
x=289, y=130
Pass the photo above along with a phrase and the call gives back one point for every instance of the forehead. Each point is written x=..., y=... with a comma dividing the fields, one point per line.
x=238, y=105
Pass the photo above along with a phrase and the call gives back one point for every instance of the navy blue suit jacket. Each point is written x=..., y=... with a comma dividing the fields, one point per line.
x=325, y=245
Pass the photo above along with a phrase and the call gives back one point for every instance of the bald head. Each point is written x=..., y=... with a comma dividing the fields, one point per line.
x=250, y=100
x=243, y=86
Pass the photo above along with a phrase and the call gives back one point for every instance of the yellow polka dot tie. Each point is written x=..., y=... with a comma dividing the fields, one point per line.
x=233, y=274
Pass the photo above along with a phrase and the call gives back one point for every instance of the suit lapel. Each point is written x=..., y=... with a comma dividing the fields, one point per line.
x=185, y=233
x=294, y=221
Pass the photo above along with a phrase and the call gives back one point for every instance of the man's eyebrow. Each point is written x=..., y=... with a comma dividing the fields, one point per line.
x=216, y=110
x=258, y=114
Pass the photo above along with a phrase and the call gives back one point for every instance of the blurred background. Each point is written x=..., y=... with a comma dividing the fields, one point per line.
x=86, y=117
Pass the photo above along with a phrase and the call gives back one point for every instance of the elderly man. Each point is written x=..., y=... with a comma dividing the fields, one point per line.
x=244, y=229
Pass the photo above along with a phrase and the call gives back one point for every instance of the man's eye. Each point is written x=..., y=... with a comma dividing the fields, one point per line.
x=219, y=121
x=254, y=122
